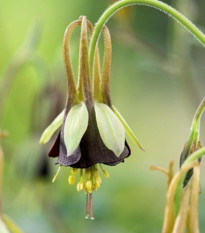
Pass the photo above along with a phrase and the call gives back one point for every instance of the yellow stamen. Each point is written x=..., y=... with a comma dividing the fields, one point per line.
x=98, y=181
x=88, y=186
x=80, y=186
x=71, y=179
x=96, y=173
x=56, y=175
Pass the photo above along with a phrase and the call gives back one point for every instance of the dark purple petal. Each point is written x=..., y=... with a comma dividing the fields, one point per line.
x=54, y=152
x=65, y=160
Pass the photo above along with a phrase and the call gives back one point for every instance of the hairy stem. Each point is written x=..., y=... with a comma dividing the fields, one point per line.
x=170, y=11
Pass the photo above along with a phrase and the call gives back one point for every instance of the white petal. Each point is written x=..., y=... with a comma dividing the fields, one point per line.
x=111, y=130
x=76, y=124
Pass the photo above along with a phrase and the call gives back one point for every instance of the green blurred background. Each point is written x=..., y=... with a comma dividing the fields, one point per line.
x=157, y=83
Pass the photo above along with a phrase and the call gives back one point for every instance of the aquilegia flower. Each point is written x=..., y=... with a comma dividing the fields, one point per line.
x=92, y=132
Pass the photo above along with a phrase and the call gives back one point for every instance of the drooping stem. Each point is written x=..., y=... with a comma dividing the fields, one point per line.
x=170, y=11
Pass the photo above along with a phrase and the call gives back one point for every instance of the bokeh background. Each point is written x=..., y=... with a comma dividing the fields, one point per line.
x=157, y=83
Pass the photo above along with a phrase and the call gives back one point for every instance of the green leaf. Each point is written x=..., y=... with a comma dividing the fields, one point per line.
x=11, y=226
x=52, y=128
x=128, y=130
x=111, y=130
x=76, y=124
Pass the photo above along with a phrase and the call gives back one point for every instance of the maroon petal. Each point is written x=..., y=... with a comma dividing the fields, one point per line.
x=65, y=160
x=54, y=152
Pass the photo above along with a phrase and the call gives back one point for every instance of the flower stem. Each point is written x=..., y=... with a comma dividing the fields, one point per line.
x=170, y=11
x=193, y=157
x=198, y=114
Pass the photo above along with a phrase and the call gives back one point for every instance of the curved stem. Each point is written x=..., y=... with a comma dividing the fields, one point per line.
x=194, y=156
x=152, y=3
x=198, y=114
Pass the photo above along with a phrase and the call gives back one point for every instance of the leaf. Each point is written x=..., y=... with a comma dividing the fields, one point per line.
x=52, y=128
x=111, y=130
x=13, y=228
x=128, y=130
x=75, y=126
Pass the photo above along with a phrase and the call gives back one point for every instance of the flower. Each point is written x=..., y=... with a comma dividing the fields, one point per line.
x=92, y=131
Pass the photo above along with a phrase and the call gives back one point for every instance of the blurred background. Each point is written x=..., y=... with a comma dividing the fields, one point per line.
x=157, y=84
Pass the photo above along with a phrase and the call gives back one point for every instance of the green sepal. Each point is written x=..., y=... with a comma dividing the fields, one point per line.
x=128, y=130
x=75, y=126
x=110, y=128
x=11, y=227
x=52, y=128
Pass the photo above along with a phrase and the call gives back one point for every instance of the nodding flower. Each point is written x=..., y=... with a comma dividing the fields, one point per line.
x=92, y=131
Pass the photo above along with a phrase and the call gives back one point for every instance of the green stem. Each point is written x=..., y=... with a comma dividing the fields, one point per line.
x=194, y=135
x=198, y=114
x=194, y=156
x=152, y=3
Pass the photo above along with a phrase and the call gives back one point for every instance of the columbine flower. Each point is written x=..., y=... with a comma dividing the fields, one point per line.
x=92, y=130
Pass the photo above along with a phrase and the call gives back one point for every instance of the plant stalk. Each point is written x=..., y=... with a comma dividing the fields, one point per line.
x=170, y=11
